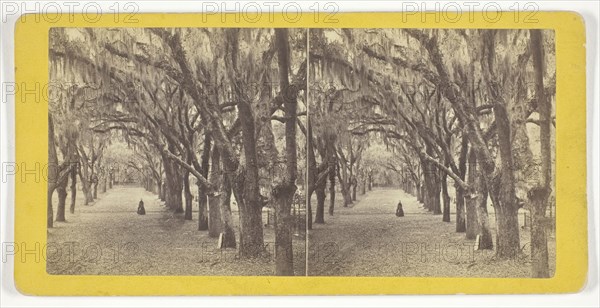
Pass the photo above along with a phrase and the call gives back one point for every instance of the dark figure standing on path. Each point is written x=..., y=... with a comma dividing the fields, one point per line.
x=141, y=210
x=399, y=210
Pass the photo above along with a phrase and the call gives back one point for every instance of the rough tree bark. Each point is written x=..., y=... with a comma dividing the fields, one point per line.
x=312, y=174
x=73, y=187
x=61, y=189
x=214, y=200
x=539, y=195
x=485, y=235
x=502, y=191
x=471, y=198
x=173, y=184
x=446, y=198
x=344, y=183
x=226, y=217
x=203, y=218
x=332, y=172
x=243, y=174
x=188, y=195
x=85, y=184
x=283, y=193
x=460, y=193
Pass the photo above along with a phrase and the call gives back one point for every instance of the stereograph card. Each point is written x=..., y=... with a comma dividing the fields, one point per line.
x=381, y=154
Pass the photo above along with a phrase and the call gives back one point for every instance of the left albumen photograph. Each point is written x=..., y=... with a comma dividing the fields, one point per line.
x=177, y=151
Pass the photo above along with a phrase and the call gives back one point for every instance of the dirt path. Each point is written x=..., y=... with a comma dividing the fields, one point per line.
x=109, y=238
x=369, y=240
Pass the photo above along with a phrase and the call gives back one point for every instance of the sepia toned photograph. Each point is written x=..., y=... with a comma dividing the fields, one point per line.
x=431, y=153
x=177, y=151
x=294, y=152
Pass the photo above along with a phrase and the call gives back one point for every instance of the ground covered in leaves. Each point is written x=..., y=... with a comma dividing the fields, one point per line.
x=109, y=238
x=367, y=239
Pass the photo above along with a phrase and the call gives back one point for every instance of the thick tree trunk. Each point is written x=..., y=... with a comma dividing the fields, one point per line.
x=174, y=186
x=311, y=173
x=363, y=187
x=85, y=184
x=485, y=235
x=460, y=210
x=419, y=194
x=159, y=188
x=539, y=195
x=73, y=187
x=472, y=198
x=187, y=192
x=472, y=220
x=61, y=189
x=251, y=237
x=332, y=168
x=321, y=195
x=507, y=232
x=446, y=197
x=214, y=216
x=203, y=216
x=432, y=188
x=214, y=211
x=95, y=190
x=344, y=185
x=163, y=191
x=460, y=192
x=503, y=192
x=203, y=212
x=539, y=242
x=283, y=195
x=436, y=190
x=309, y=213
x=246, y=189
x=226, y=217
x=50, y=210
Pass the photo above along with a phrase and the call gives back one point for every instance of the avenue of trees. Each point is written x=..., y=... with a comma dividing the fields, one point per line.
x=461, y=119
x=219, y=113
x=463, y=110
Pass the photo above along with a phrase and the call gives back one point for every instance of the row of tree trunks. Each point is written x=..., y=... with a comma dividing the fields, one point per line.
x=499, y=178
